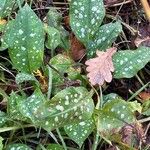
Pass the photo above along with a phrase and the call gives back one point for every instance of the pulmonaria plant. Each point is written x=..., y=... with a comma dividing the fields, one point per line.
x=71, y=108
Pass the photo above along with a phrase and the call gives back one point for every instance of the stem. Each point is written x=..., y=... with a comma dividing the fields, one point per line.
x=99, y=105
x=61, y=138
x=15, y=128
x=144, y=120
x=139, y=80
x=49, y=83
x=139, y=91
x=146, y=8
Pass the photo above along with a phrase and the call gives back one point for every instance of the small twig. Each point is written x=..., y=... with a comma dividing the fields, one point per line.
x=146, y=8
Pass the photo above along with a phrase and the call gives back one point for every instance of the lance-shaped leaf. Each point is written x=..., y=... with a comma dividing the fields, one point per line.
x=54, y=19
x=86, y=17
x=104, y=38
x=12, y=107
x=6, y=7
x=3, y=118
x=100, y=68
x=68, y=106
x=18, y=146
x=33, y=107
x=115, y=114
x=53, y=38
x=127, y=63
x=80, y=131
x=71, y=105
x=26, y=45
x=22, y=77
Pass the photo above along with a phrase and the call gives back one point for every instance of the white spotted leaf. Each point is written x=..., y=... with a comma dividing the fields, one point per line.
x=127, y=63
x=6, y=7
x=68, y=106
x=18, y=146
x=71, y=105
x=54, y=19
x=80, y=131
x=26, y=42
x=22, y=77
x=3, y=118
x=86, y=17
x=64, y=64
x=53, y=38
x=104, y=38
x=33, y=107
x=115, y=114
x=13, y=108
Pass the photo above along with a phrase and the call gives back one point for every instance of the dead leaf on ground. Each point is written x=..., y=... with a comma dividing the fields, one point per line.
x=143, y=38
x=100, y=68
x=145, y=95
x=77, y=48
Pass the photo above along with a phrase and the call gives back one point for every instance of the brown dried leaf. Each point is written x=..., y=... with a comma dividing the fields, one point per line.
x=100, y=68
x=77, y=48
x=145, y=95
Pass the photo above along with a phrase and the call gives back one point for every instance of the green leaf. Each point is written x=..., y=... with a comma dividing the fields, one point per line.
x=13, y=108
x=115, y=114
x=54, y=19
x=80, y=131
x=22, y=77
x=18, y=147
x=33, y=107
x=54, y=147
x=104, y=38
x=1, y=143
x=53, y=38
x=127, y=63
x=71, y=105
x=146, y=108
x=68, y=106
x=26, y=42
x=6, y=7
x=64, y=65
x=3, y=118
x=86, y=17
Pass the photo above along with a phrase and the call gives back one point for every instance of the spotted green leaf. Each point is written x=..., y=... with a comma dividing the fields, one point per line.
x=6, y=7
x=3, y=118
x=26, y=42
x=18, y=147
x=54, y=147
x=127, y=63
x=53, y=38
x=86, y=17
x=80, y=131
x=13, y=108
x=104, y=38
x=33, y=107
x=1, y=143
x=64, y=65
x=54, y=19
x=69, y=105
x=22, y=77
x=115, y=114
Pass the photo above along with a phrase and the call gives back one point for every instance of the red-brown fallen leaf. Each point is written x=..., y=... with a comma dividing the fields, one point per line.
x=145, y=95
x=100, y=68
x=77, y=48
